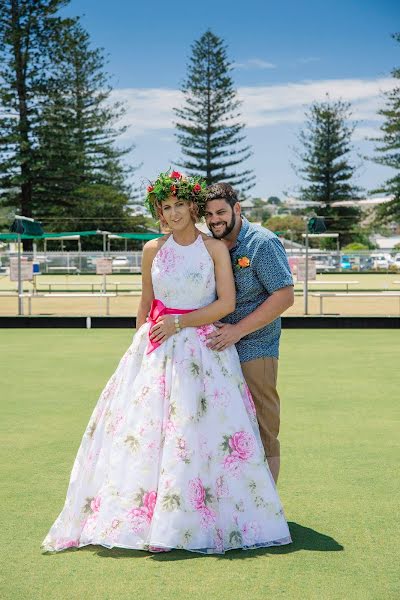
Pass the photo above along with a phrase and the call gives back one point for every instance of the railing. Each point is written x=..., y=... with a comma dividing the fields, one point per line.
x=76, y=262
x=53, y=263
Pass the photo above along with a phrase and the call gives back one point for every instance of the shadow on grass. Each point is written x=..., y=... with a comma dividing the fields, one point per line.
x=304, y=538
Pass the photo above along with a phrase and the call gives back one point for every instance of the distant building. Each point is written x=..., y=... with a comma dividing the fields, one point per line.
x=247, y=206
x=365, y=203
x=386, y=243
x=291, y=203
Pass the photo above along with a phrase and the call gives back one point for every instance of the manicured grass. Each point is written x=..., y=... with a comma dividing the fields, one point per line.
x=340, y=442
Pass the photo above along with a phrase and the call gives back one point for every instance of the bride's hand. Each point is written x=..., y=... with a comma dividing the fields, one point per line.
x=163, y=329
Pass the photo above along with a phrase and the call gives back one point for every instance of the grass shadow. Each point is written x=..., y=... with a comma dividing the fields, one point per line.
x=303, y=538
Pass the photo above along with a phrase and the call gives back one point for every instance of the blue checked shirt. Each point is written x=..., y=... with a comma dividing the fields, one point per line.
x=268, y=271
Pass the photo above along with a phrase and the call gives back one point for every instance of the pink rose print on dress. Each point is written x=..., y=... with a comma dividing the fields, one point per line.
x=243, y=444
x=63, y=543
x=203, y=332
x=199, y=496
x=241, y=447
x=95, y=504
x=162, y=385
x=141, y=517
x=208, y=517
x=197, y=493
x=249, y=403
x=182, y=450
x=233, y=464
x=169, y=259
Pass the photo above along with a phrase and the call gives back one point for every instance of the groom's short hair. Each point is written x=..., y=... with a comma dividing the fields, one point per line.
x=222, y=191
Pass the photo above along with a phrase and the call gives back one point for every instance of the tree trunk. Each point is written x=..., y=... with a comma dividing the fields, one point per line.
x=24, y=142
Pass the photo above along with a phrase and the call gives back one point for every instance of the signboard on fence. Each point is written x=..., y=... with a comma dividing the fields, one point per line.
x=104, y=266
x=301, y=270
x=26, y=269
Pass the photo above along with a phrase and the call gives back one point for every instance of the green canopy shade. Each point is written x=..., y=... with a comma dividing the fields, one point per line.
x=138, y=236
x=44, y=235
x=13, y=237
x=64, y=234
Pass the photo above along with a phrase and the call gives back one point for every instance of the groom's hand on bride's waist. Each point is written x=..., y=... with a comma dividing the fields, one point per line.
x=223, y=337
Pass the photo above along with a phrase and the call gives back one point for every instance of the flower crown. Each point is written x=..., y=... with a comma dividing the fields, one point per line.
x=167, y=184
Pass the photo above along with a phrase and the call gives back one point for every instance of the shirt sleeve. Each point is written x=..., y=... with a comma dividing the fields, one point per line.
x=272, y=266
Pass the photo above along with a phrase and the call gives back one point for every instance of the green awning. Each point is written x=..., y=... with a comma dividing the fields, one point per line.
x=61, y=234
x=10, y=237
x=13, y=237
x=138, y=236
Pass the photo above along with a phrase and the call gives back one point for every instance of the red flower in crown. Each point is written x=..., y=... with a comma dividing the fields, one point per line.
x=176, y=175
x=173, y=189
x=150, y=188
x=197, y=188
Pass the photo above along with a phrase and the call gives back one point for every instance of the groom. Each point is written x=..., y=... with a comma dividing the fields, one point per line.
x=264, y=290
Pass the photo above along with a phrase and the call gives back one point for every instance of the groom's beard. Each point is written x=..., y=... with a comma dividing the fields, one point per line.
x=224, y=231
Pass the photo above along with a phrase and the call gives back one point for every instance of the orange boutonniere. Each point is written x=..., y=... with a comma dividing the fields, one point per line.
x=243, y=262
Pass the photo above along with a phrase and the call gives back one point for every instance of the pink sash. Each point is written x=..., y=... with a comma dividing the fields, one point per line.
x=157, y=310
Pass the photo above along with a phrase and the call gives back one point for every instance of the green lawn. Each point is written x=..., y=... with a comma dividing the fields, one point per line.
x=340, y=442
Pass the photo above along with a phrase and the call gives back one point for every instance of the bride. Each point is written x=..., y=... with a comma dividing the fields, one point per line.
x=172, y=457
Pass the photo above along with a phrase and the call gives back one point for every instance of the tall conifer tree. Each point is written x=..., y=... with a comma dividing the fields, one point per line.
x=27, y=32
x=209, y=133
x=326, y=167
x=389, y=150
x=77, y=137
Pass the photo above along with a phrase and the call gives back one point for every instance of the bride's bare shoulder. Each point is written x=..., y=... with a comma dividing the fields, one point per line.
x=213, y=245
x=153, y=246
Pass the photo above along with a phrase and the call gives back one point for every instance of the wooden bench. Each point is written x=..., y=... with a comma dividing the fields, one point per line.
x=322, y=283
x=322, y=295
x=92, y=284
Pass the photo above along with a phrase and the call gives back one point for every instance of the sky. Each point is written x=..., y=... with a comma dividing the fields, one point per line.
x=285, y=54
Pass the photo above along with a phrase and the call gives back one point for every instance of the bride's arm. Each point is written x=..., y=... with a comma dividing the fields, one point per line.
x=149, y=252
x=226, y=295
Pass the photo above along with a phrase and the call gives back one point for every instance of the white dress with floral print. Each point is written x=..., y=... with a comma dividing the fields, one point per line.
x=172, y=457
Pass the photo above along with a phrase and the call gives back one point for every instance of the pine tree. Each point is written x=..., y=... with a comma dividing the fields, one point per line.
x=389, y=149
x=78, y=132
x=326, y=167
x=209, y=133
x=27, y=33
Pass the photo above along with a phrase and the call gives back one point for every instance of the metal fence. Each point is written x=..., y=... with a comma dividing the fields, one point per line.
x=52, y=263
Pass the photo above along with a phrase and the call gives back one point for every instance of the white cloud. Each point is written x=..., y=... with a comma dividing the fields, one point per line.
x=275, y=104
x=254, y=63
x=147, y=108
x=151, y=109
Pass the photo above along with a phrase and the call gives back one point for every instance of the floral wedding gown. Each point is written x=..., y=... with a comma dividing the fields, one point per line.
x=172, y=457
